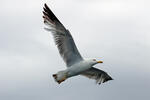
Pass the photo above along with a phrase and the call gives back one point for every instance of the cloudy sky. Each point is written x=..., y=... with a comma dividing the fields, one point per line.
x=116, y=31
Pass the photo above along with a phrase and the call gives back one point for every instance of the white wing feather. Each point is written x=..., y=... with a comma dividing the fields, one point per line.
x=62, y=37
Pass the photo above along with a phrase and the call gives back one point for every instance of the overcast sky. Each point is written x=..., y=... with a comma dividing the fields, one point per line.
x=115, y=31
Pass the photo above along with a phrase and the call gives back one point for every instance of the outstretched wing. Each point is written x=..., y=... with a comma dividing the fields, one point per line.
x=97, y=74
x=62, y=37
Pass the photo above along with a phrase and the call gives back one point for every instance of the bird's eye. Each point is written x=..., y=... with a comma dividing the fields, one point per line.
x=94, y=59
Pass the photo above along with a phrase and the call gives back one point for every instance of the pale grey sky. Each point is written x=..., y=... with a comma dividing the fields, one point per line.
x=117, y=31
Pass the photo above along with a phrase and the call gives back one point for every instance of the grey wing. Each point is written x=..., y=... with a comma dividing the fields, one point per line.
x=62, y=37
x=97, y=74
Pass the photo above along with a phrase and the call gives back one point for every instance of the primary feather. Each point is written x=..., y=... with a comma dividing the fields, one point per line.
x=62, y=37
x=97, y=74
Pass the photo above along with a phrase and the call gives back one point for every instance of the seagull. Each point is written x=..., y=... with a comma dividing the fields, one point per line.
x=75, y=64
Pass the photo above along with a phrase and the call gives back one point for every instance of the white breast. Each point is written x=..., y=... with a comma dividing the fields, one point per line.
x=78, y=68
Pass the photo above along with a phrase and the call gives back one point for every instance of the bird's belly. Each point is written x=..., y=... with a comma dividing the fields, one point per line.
x=77, y=69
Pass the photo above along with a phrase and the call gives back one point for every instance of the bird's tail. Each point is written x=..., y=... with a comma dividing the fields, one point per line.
x=60, y=76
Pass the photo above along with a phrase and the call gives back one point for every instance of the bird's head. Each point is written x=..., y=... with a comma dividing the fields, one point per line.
x=94, y=61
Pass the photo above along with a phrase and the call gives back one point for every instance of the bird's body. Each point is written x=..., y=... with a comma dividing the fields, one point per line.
x=78, y=68
x=75, y=69
x=76, y=65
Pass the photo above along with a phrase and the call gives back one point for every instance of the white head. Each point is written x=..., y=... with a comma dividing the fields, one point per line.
x=94, y=61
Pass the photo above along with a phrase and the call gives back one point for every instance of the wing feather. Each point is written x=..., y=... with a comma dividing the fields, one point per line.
x=62, y=37
x=97, y=74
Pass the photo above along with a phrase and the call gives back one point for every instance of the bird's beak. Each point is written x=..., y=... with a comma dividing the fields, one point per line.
x=99, y=61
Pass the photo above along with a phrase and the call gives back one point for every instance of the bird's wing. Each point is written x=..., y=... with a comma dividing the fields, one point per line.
x=62, y=37
x=97, y=74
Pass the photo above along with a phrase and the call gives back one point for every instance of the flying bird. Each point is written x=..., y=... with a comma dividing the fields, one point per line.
x=75, y=63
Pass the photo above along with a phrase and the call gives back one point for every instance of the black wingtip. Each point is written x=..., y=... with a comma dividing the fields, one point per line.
x=49, y=13
x=46, y=8
x=108, y=79
x=50, y=17
x=45, y=5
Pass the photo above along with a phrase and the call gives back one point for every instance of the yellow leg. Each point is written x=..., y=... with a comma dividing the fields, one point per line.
x=62, y=80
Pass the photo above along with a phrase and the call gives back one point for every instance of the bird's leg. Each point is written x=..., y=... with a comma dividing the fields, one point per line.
x=59, y=81
x=63, y=79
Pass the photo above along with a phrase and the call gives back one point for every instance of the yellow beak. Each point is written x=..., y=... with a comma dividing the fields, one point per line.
x=99, y=61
